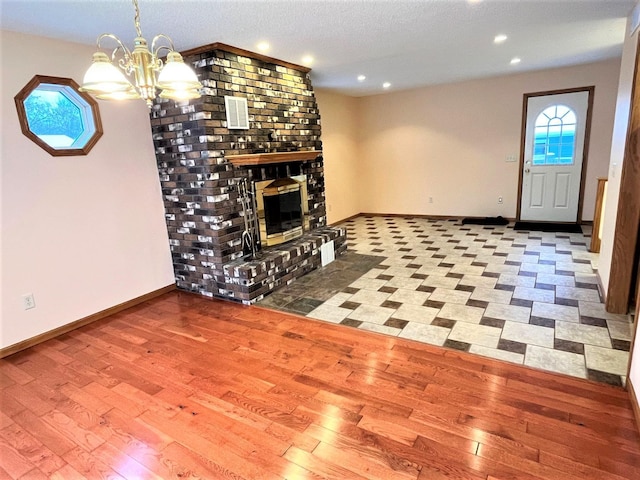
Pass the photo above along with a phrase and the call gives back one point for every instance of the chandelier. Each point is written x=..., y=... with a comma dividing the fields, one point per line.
x=173, y=78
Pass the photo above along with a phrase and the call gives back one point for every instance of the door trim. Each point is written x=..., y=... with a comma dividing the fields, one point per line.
x=587, y=138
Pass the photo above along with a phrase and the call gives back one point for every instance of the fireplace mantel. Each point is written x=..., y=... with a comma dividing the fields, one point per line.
x=253, y=159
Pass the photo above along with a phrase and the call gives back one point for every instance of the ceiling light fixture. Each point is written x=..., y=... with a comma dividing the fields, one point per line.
x=499, y=38
x=307, y=60
x=175, y=79
x=361, y=78
x=386, y=85
x=263, y=46
x=515, y=61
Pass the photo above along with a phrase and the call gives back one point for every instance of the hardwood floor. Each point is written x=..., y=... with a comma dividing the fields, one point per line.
x=184, y=387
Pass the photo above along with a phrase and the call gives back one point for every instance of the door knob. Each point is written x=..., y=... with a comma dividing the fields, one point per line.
x=527, y=170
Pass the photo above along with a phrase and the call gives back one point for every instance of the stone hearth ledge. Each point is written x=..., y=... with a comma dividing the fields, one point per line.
x=250, y=280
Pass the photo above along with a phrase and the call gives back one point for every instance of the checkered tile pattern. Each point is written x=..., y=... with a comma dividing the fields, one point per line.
x=525, y=297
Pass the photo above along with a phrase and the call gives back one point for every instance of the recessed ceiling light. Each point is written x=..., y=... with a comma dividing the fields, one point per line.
x=515, y=61
x=499, y=38
x=263, y=46
x=307, y=60
x=386, y=85
x=361, y=78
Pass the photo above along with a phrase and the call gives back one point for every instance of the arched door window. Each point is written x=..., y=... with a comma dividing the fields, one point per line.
x=555, y=136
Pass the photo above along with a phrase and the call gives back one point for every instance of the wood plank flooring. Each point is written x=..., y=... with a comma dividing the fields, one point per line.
x=185, y=387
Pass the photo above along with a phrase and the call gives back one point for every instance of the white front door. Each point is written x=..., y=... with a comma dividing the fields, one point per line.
x=553, y=156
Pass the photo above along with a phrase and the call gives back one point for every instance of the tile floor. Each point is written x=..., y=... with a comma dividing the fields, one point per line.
x=524, y=297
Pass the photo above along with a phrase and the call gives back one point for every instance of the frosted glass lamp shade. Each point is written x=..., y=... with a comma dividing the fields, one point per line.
x=130, y=94
x=175, y=75
x=103, y=77
x=180, y=94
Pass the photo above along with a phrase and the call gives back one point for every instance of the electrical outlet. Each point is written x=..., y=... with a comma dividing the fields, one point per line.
x=499, y=199
x=28, y=301
x=430, y=199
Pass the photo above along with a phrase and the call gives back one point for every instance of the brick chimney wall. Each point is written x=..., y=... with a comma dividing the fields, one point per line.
x=199, y=185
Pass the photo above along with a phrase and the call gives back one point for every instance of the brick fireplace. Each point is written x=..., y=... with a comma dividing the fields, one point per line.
x=202, y=165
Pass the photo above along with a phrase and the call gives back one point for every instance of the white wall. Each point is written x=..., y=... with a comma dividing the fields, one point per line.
x=339, y=117
x=81, y=233
x=450, y=142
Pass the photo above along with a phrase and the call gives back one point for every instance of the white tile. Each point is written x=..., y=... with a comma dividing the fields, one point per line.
x=454, y=311
x=425, y=333
x=497, y=354
x=587, y=334
x=553, y=279
x=400, y=271
x=372, y=314
x=475, y=334
x=412, y=297
x=374, y=327
x=606, y=359
x=338, y=299
x=450, y=296
x=404, y=282
x=517, y=280
x=534, y=294
x=369, y=297
x=329, y=313
x=574, y=267
x=478, y=281
x=574, y=293
x=467, y=269
x=556, y=312
x=368, y=283
x=491, y=295
x=591, y=278
x=537, y=268
x=416, y=313
x=443, y=282
x=597, y=310
x=512, y=313
x=508, y=269
x=619, y=330
x=555, y=361
x=529, y=334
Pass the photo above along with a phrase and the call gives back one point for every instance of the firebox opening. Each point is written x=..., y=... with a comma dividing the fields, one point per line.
x=282, y=209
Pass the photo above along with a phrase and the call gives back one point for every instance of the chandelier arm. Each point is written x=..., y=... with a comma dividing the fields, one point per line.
x=121, y=46
x=156, y=49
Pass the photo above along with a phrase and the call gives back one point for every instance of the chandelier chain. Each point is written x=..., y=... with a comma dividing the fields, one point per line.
x=136, y=19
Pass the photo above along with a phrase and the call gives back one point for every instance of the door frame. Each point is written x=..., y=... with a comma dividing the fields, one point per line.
x=585, y=152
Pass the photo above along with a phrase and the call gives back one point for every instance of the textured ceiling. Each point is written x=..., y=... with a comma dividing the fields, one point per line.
x=408, y=43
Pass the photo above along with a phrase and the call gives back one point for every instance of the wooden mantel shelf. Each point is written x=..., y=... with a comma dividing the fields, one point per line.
x=252, y=159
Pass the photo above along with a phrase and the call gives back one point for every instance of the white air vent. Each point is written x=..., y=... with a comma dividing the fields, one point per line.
x=237, y=112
